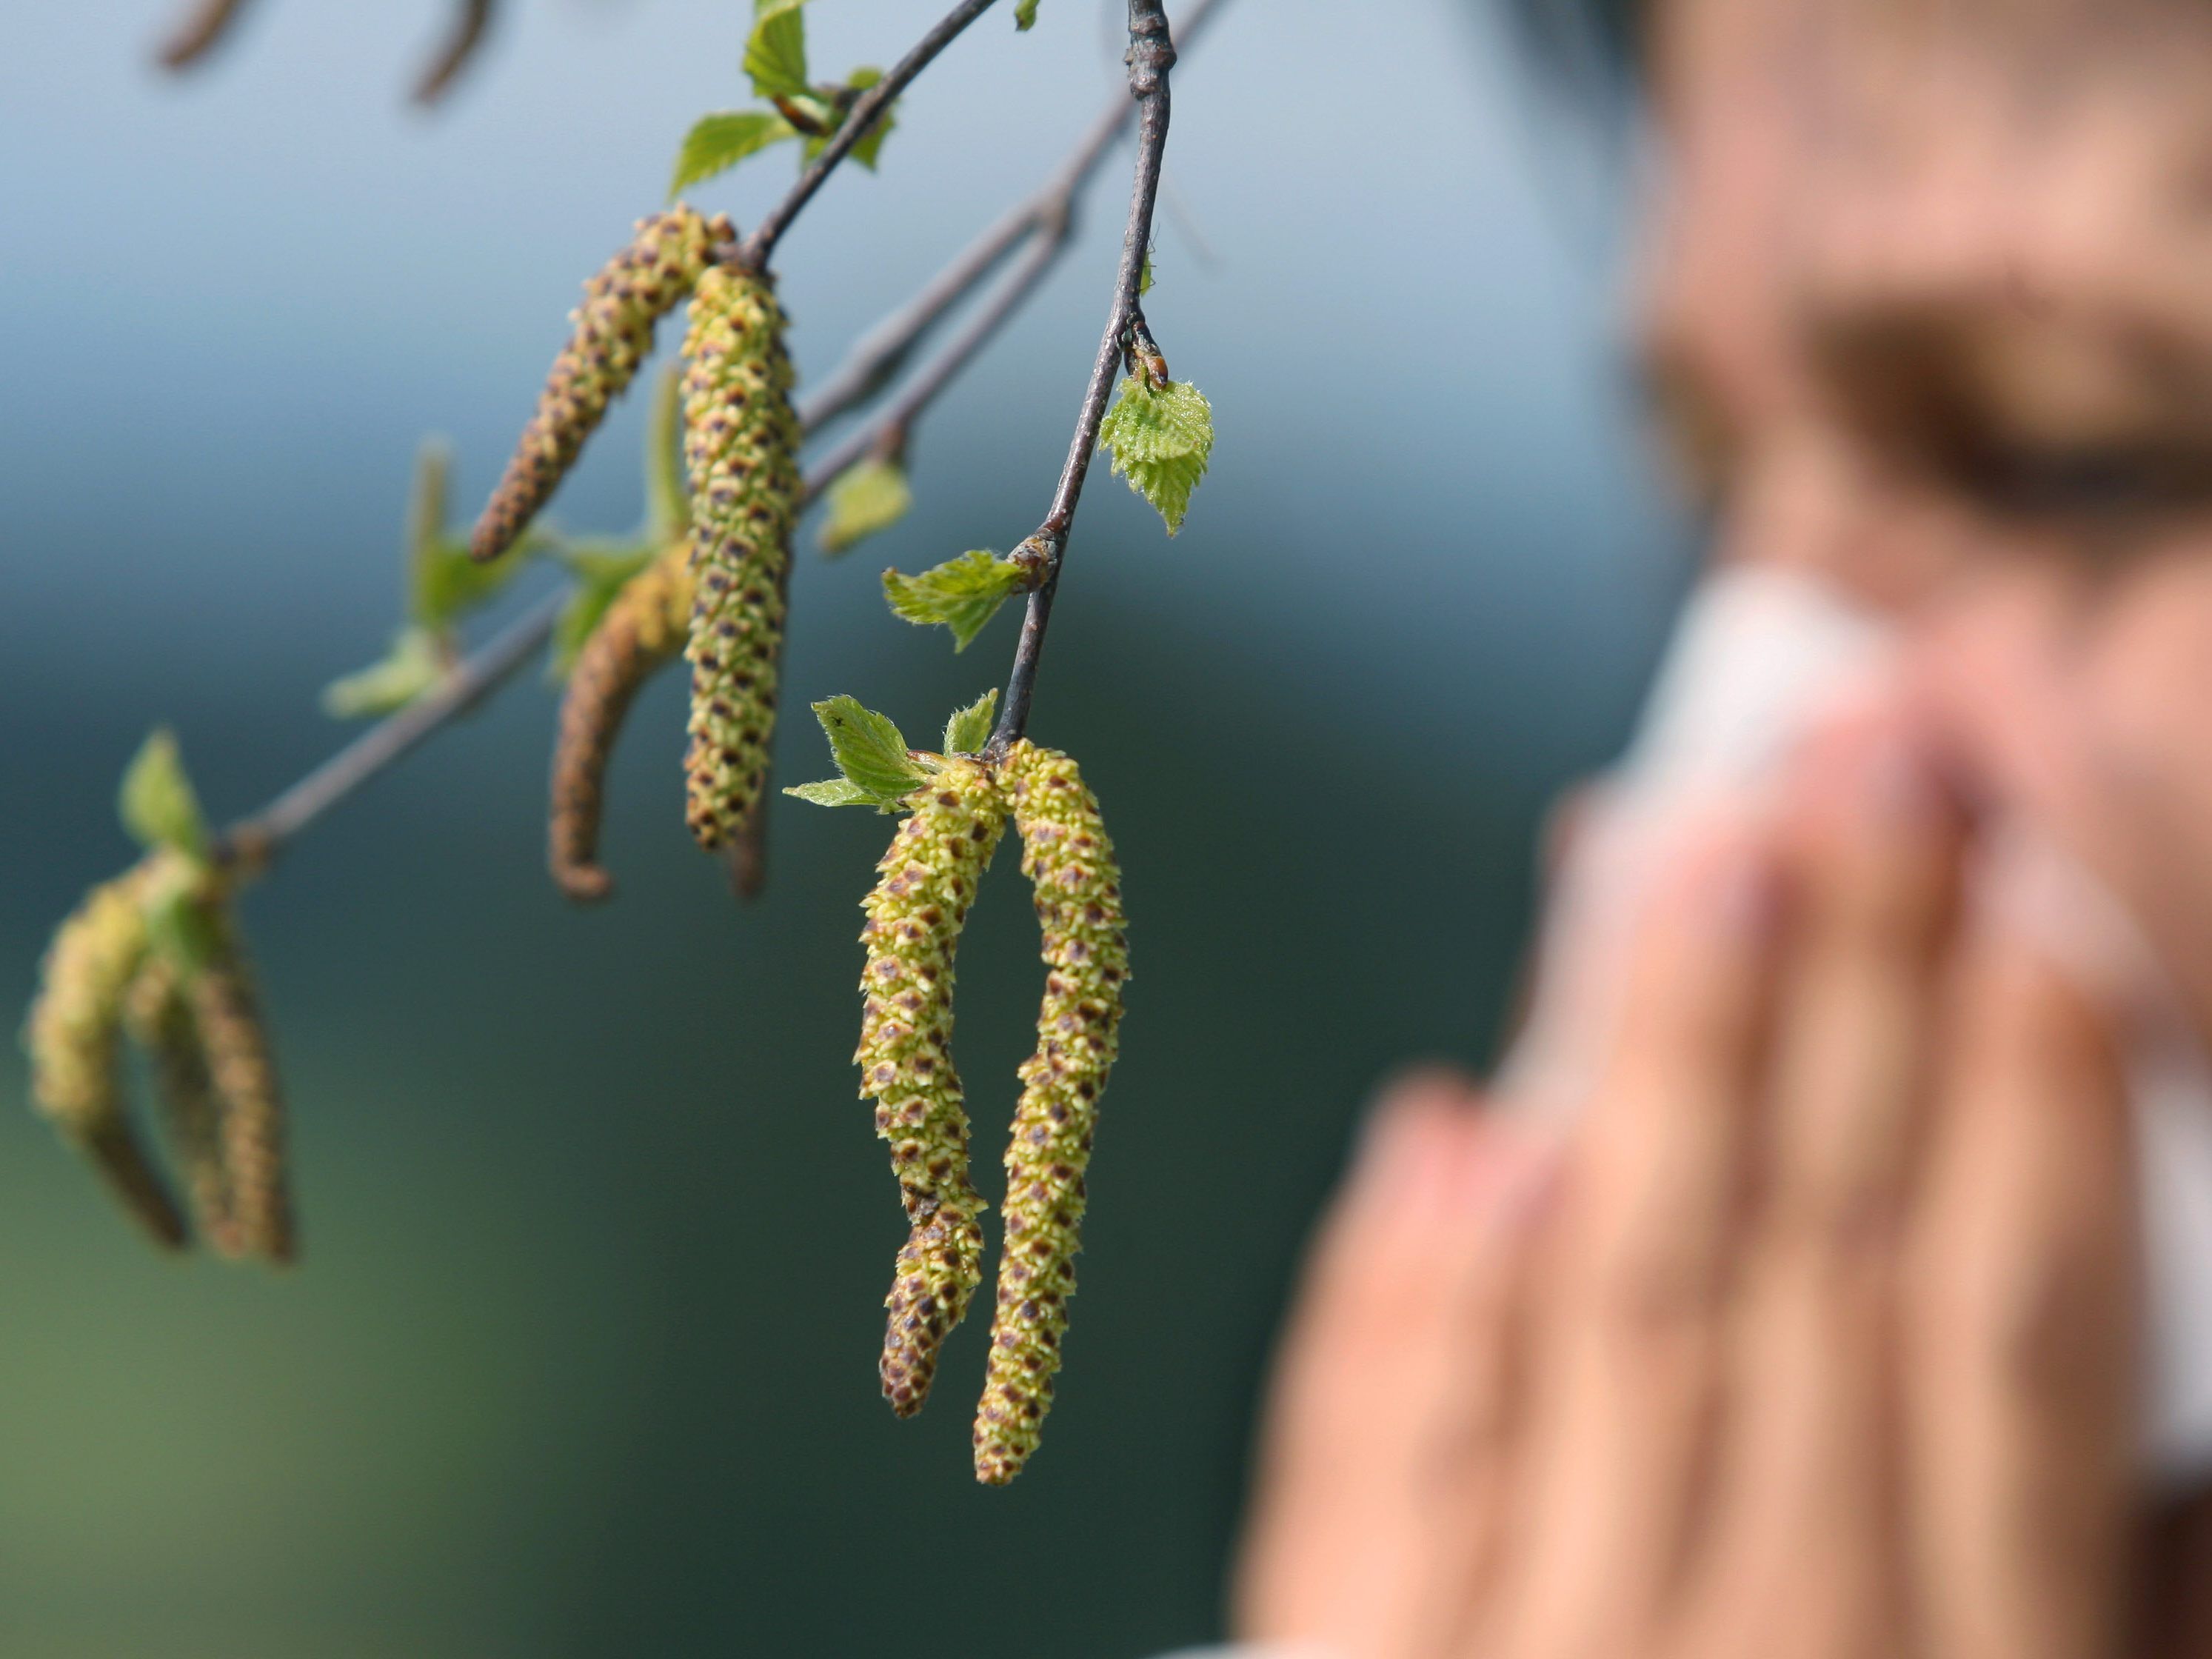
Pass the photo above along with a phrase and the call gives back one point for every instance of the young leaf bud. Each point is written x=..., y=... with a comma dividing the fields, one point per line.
x=71, y=1037
x=927, y=880
x=1070, y=863
x=612, y=333
x=641, y=631
x=740, y=444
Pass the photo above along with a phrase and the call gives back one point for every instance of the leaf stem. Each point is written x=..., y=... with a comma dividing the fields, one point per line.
x=753, y=252
x=1151, y=56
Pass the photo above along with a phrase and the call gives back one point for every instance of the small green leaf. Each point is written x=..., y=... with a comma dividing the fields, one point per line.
x=871, y=142
x=970, y=728
x=775, y=56
x=835, y=792
x=867, y=497
x=600, y=576
x=718, y=142
x=1145, y=275
x=447, y=584
x=869, y=750
x=179, y=920
x=1025, y=14
x=963, y=594
x=414, y=666
x=157, y=803
x=1161, y=440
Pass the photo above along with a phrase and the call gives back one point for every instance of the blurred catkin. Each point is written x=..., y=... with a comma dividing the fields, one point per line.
x=927, y=879
x=612, y=333
x=236, y=1042
x=1070, y=864
x=643, y=630
x=740, y=446
x=72, y=1035
x=159, y=1016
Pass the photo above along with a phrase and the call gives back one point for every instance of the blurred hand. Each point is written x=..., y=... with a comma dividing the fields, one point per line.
x=1816, y=1338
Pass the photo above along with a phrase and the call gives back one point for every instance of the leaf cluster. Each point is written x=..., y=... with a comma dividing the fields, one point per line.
x=809, y=112
x=875, y=768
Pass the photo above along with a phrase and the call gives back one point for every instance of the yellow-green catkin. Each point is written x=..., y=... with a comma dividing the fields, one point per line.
x=236, y=1040
x=1070, y=864
x=612, y=333
x=741, y=447
x=643, y=630
x=158, y=1014
x=72, y=1037
x=927, y=879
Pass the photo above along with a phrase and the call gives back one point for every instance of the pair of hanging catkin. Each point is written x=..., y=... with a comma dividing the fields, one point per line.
x=928, y=881
x=185, y=998
x=741, y=447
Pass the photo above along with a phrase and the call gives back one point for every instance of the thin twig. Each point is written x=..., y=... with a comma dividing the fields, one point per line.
x=471, y=18
x=753, y=252
x=885, y=434
x=199, y=33
x=1152, y=55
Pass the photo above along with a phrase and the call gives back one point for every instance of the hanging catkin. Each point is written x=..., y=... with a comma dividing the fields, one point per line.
x=236, y=1042
x=740, y=441
x=158, y=1014
x=1070, y=864
x=72, y=1035
x=612, y=333
x=927, y=879
x=643, y=630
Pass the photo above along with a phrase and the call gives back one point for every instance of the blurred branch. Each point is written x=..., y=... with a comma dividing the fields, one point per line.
x=471, y=18
x=1152, y=55
x=202, y=29
x=753, y=252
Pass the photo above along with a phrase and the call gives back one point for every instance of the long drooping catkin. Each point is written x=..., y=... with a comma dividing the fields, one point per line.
x=612, y=333
x=927, y=880
x=740, y=444
x=642, y=630
x=159, y=1016
x=254, y=1158
x=72, y=1035
x=1070, y=863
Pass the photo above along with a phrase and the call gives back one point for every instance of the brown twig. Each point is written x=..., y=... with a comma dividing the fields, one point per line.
x=470, y=19
x=1151, y=54
x=199, y=34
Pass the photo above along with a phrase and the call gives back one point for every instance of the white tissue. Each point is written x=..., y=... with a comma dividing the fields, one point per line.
x=1759, y=653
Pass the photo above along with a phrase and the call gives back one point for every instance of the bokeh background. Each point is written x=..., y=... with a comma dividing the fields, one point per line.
x=581, y=1360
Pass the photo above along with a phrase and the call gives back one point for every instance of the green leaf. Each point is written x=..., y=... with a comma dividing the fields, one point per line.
x=668, y=496
x=970, y=728
x=179, y=920
x=775, y=56
x=869, y=750
x=600, y=576
x=871, y=142
x=867, y=497
x=1025, y=14
x=157, y=803
x=414, y=666
x=963, y=594
x=1161, y=440
x=835, y=792
x=1145, y=275
x=718, y=142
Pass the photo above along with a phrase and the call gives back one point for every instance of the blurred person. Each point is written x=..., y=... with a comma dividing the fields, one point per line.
x=1785, y=1293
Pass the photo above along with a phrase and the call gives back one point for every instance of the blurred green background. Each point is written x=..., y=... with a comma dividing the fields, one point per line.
x=581, y=1360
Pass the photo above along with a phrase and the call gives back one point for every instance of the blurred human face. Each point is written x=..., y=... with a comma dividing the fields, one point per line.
x=1930, y=311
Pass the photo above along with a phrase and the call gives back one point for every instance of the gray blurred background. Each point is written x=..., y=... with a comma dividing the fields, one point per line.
x=581, y=1360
